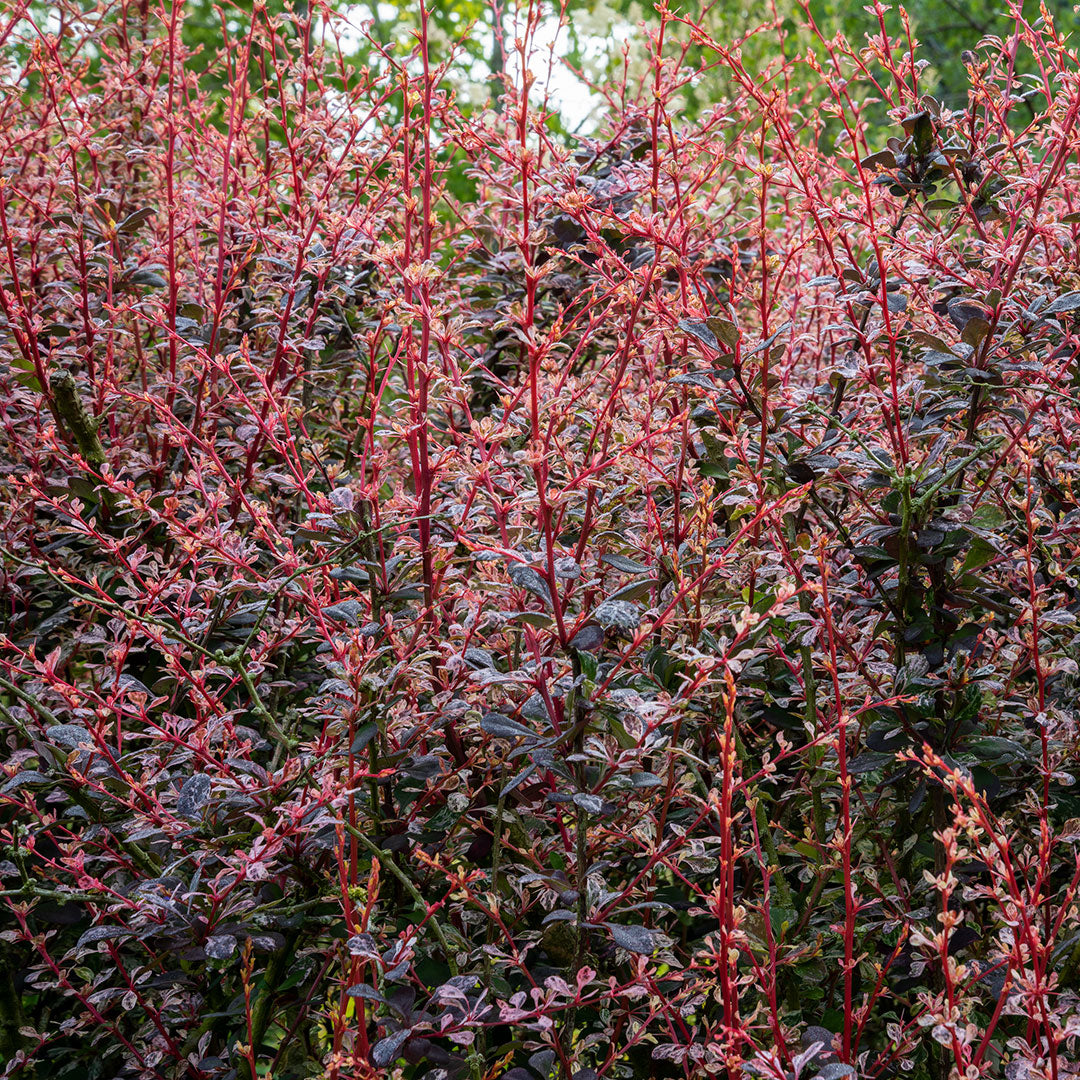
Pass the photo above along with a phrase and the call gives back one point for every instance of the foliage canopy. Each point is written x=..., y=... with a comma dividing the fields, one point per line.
x=488, y=600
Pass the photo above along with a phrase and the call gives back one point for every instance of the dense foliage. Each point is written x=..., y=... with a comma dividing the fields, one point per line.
x=479, y=603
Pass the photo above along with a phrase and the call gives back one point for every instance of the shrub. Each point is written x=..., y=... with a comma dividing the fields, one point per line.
x=480, y=604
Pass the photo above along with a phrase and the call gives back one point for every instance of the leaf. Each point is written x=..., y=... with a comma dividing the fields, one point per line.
x=835, y=1070
x=532, y=618
x=768, y=341
x=847, y=364
x=869, y=761
x=342, y=498
x=567, y=569
x=623, y=564
x=700, y=330
x=69, y=735
x=883, y=159
x=517, y=781
x=921, y=129
x=987, y=516
x=368, y=993
x=386, y=1051
x=24, y=779
x=525, y=577
x=636, y=590
x=930, y=341
x=148, y=277
x=1070, y=301
x=558, y=915
x=974, y=331
x=363, y=945
x=817, y=1034
x=421, y=767
x=963, y=309
x=725, y=331
x=128, y=684
x=102, y=933
x=980, y=552
x=502, y=727
x=588, y=638
x=542, y=1061
x=220, y=946
x=800, y=472
x=350, y=573
x=363, y=737
x=26, y=377
x=193, y=796
x=692, y=378
x=593, y=804
x=634, y=939
x=407, y=593
x=135, y=219
x=997, y=748
x=478, y=658
x=617, y=614
x=348, y=611
x=535, y=708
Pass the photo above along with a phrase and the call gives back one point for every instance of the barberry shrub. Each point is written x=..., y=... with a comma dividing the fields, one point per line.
x=481, y=603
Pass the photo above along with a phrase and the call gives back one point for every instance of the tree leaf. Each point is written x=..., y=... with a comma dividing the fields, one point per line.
x=69, y=735
x=882, y=159
x=193, y=796
x=348, y=611
x=617, y=614
x=869, y=761
x=634, y=939
x=593, y=804
x=588, y=638
x=700, y=330
x=135, y=219
x=220, y=946
x=517, y=781
x=363, y=945
x=567, y=569
x=835, y=1070
x=364, y=736
x=25, y=778
x=725, y=331
x=503, y=727
x=148, y=277
x=525, y=577
x=1069, y=301
x=623, y=564
x=102, y=933
x=386, y=1051
x=636, y=590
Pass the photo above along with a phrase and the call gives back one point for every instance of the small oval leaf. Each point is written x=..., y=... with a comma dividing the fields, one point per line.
x=385, y=1052
x=502, y=727
x=634, y=939
x=193, y=796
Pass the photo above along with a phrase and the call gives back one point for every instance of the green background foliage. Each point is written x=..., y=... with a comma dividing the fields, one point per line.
x=595, y=33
